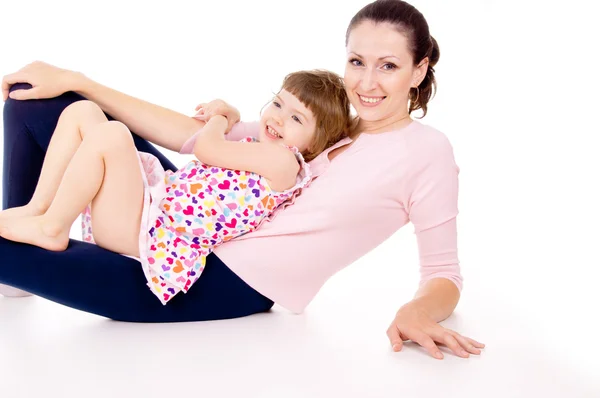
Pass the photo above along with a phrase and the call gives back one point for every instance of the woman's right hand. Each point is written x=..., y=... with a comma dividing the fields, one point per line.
x=47, y=81
x=218, y=107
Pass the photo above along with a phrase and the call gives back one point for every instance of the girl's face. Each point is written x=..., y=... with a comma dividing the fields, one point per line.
x=380, y=72
x=286, y=120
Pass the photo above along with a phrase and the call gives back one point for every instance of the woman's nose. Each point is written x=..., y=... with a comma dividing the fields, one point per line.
x=368, y=80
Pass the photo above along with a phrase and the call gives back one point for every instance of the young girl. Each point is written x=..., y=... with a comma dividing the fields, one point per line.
x=170, y=221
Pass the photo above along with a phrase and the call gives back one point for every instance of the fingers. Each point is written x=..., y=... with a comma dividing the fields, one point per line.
x=31, y=93
x=418, y=337
x=451, y=342
x=395, y=339
x=200, y=112
x=397, y=346
x=207, y=111
x=9, y=80
x=427, y=342
x=200, y=116
x=204, y=110
x=475, y=343
x=461, y=346
x=230, y=124
x=468, y=344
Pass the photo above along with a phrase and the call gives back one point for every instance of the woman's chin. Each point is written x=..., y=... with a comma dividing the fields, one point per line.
x=368, y=115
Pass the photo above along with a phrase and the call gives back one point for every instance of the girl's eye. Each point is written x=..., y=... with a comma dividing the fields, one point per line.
x=389, y=66
x=276, y=104
x=296, y=119
x=355, y=62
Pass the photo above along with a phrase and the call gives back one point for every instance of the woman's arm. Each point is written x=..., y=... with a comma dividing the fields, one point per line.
x=157, y=124
x=274, y=162
x=431, y=200
x=154, y=123
x=437, y=297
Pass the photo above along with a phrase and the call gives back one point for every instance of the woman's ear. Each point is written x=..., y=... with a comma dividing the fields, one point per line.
x=420, y=72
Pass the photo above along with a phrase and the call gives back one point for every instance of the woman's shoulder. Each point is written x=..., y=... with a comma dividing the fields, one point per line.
x=428, y=140
x=412, y=149
x=432, y=149
x=429, y=133
x=418, y=139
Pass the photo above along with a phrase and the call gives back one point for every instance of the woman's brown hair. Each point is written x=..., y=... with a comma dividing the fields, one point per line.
x=412, y=24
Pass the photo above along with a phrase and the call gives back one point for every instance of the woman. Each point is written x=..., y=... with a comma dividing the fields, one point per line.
x=407, y=169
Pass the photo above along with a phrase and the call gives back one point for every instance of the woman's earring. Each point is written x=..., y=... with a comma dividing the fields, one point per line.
x=416, y=99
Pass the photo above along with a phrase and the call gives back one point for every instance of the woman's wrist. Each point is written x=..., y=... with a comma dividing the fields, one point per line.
x=415, y=305
x=437, y=298
x=79, y=83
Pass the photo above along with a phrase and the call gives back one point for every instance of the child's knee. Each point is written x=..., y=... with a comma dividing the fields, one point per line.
x=110, y=134
x=84, y=110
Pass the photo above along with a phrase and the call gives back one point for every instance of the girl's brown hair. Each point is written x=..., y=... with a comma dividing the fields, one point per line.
x=324, y=94
x=412, y=24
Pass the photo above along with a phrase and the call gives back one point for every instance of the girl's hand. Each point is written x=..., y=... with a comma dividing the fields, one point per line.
x=218, y=107
x=412, y=323
x=47, y=81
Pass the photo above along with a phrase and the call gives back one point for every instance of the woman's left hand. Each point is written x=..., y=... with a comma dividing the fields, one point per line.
x=412, y=323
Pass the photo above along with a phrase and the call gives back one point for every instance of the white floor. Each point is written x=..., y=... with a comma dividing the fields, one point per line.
x=521, y=113
x=537, y=345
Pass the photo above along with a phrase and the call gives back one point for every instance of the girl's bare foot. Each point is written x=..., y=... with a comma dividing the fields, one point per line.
x=9, y=291
x=22, y=211
x=35, y=231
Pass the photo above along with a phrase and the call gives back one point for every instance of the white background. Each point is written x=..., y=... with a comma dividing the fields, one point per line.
x=518, y=96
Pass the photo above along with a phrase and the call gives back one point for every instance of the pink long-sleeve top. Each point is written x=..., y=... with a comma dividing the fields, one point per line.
x=354, y=203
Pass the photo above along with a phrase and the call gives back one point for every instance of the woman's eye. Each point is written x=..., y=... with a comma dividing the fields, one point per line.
x=355, y=62
x=389, y=67
x=296, y=119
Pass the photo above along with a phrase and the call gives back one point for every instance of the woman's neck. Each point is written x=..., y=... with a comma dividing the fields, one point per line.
x=381, y=126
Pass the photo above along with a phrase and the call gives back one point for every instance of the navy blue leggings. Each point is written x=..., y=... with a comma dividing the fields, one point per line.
x=78, y=277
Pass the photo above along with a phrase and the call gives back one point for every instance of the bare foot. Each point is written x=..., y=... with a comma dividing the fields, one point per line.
x=21, y=211
x=35, y=231
x=9, y=291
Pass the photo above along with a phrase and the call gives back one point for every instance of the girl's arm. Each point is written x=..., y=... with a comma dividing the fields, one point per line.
x=274, y=162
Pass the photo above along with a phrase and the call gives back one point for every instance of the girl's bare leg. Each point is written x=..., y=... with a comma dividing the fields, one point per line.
x=105, y=171
x=70, y=130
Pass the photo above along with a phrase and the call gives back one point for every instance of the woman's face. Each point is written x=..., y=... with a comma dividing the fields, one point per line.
x=380, y=72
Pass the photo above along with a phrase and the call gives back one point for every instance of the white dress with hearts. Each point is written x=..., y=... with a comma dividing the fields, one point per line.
x=189, y=212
